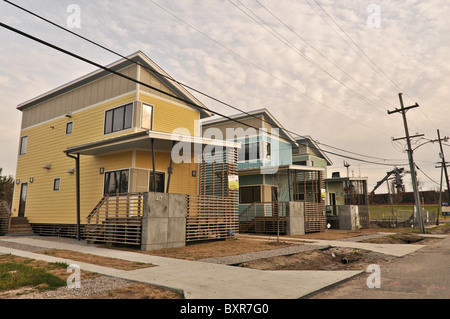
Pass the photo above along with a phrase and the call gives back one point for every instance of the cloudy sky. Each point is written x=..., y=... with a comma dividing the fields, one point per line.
x=324, y=68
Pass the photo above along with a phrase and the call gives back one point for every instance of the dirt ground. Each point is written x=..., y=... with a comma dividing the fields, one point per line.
x=324, y=259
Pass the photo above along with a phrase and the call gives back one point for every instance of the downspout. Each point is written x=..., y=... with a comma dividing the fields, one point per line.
x=153, y=162
x=170, y=169
x=77, y=167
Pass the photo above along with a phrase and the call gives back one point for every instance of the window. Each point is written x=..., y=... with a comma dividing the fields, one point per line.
x=116, y=182
x=69, y=128
x=250, y=194
x=147, y=116
x=56, y=184
x=23, y=145
x=159, y=182
x=250, y=152
x=119, y=118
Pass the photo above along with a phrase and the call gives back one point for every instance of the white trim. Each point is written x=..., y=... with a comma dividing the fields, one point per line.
x=66, y=128
x=78, y=110
x=79, y=80
x=20, y=145
x=151, y=115
x=189, y=107
x=53, y=186
x=118, y=107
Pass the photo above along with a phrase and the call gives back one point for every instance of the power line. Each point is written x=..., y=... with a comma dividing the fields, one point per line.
x=289, y=44
x=98, y=65
x=394, y=84
x=261, y=69
x=320, y=53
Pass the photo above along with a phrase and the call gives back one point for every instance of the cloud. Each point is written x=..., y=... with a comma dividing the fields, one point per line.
x=250, y=68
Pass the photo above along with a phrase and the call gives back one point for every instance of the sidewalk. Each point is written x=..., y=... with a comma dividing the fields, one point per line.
x=202, y=280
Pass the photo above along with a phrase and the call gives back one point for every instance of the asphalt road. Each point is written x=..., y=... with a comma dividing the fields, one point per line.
x=424, y=274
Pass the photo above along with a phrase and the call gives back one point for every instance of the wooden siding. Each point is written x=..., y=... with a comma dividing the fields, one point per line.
x=150, y=79
x=92, y=93
x=181, y=182
x=46, y=143
x=169, y=117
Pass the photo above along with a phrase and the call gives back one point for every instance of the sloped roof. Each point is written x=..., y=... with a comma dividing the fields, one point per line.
x=138, y=57
x=264, y=112
x=312, y=144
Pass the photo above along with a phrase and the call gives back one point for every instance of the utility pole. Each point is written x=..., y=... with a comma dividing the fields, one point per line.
x=412, y=165
x=444, y=163
x=347, y=165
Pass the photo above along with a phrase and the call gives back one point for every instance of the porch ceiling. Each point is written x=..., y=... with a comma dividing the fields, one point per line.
x=142, y=140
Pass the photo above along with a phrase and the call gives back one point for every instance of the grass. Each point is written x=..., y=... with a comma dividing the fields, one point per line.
x=401, y=211
x=17, y=274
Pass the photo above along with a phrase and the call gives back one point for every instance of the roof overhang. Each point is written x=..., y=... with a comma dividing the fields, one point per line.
x=143, y=141
x=267, y=170
x=138, y=58
x=252, y=114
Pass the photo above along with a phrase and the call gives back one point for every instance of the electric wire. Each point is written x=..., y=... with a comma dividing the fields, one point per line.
x=394, y=84
x=286, y=42
x=320, y=53
x=160, y=74
x=149, y=86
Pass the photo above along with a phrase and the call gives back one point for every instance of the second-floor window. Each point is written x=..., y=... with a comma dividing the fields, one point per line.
x=69, y=128
x=119, y=118
x=249, y=152
x=23, y=145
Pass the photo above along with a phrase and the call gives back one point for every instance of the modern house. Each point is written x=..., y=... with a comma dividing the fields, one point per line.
x=268, y=178
x=308, y=153
x=92, y=147
x=347, y=203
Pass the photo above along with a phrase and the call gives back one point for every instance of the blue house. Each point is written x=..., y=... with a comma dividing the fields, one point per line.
x=268, y=178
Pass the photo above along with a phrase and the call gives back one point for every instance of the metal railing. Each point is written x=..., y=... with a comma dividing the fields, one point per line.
x=116, y=219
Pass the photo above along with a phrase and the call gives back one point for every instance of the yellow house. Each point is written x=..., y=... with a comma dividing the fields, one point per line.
x=118, y=132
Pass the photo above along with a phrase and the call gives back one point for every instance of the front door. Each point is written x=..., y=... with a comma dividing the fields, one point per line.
x=23, y=199
x=160, y=176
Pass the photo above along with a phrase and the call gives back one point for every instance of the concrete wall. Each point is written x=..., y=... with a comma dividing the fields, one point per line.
x=163, y=221
x=349, y=217
x=295, y=223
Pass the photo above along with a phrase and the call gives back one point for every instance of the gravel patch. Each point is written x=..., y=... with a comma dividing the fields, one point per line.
x=237, y=259
x=88, y=288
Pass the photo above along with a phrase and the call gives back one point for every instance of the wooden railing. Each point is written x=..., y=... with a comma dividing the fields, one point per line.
x=5, y=214
x=266, y=217
x=116, y=219
x=315, y=219
x=210, y=217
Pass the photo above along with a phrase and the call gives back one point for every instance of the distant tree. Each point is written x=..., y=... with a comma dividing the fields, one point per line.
x=6, y=188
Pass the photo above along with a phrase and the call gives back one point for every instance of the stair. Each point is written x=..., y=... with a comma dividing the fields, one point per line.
x=19, y=226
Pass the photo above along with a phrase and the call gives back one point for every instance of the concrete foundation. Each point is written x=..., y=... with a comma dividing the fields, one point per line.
x=163, y=221
x=349, y=217
x=295, y=221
